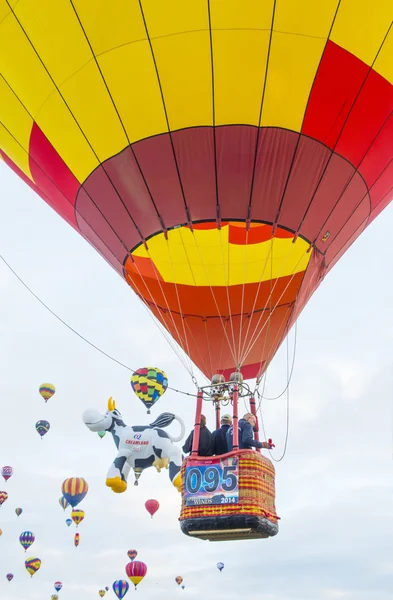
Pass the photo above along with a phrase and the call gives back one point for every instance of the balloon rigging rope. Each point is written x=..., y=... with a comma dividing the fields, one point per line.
x=112, y=358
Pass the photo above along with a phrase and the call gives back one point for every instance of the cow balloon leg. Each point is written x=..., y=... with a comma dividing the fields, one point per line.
x=116, y=478
x=175, y=462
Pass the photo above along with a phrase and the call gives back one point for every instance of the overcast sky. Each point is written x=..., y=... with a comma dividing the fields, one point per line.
x=334, y=486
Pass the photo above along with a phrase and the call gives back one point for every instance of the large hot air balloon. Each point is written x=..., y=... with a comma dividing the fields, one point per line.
x=149, y=384
x=18, y=511
x=10, y=576
x=77, y=516
x=222, y=166
x=32, y=565
x=74, y=490
x=42, y=428
x=132, y=554
x=26, y=539
x=3, y=497
x=76, y=540
x=7, y=472
x=57, y=585
x=120, y=587
x=152, y=506
x=47, y=390
x=63, y=502
x=136, y=571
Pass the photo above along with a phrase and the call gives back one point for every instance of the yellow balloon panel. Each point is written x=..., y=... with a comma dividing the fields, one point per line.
x=384, y=61
x=5, y=8
x=172, y=17
x=254, y=14
x=15, y=128
x=361, y=26
x=308, y=17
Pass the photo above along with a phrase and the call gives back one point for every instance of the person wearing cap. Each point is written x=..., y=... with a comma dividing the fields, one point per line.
x=220, y=444
x=246, y=434
x=205, y=446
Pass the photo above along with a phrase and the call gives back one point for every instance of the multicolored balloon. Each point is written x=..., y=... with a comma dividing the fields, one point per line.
x=57, y=585
x=152, y=506
x=76, y=540
x=69, y=522
x=47, y=390
x=101, y=433
x=77, y=516
x=220, y=566
x=18, y=512
x=179, y=580
x=101, y=593
x=3, y=497
x=32, y=565
x=63, y=502
x=149, y=384
x=74, y=490
x=120, y=587
x=26, y=539
x=42, y=427
x=9, y=576
x=132, y=554
x=54, y=597
x=7, y=472
x=136, y=571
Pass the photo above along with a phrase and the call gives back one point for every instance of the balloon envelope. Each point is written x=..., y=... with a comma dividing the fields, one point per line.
x=101, y=593
x=32, y=565
x=179, y=580
x=47, y=390
x=220, y=566
x=76, y=539
x=54, y=597
x=120, y=587
x=69, y=522
x=224, y=209
x=57, y=585
x=149, y=384
x=77, y=515
x=9, y=576
x=63, y=502
x=7, y=472
x=132, y=554
x=42, y=427
x=18, y=511
x=26, y=539
x=136, y=571
x=101, y=433
x=152, y=506
x=74, y=490
x=3, y=497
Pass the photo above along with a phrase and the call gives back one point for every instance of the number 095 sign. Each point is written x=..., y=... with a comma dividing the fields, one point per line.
x=216, y=481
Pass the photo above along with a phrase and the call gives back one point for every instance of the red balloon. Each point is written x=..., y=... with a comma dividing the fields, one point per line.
x=152, y=506
x=136, y=571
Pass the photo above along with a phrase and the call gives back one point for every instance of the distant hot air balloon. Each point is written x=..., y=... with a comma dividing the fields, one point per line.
x=32, y=565
x=3, y=497
x=1, y=532
x=69, y=522
x=136, y=571
x=132, y=554
x=77, y=516
x=63, y=502
x=101, y=593
x=57, y=585
x=149, y=384
x=74, y=490
x=101, y=433
x=9, y=576
x=220, y=566
x=182, y=587
x=106, y=588
x=179, y=580
x=18, y=512
x=26, y=539
x=76, y=540
x=120, y=587
x=42, y=427
x=152, y=506
x=54, y=597
x=7, y=472
x=47, y=390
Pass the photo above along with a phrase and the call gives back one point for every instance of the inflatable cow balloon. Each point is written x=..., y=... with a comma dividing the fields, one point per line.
x=139, y=447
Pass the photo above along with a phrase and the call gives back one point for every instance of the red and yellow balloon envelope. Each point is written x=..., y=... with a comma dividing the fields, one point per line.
x=3, y=497
x=224, y=209
x=77, y=515
x=132, y=554
x=152, y=506
x=149, y=384
x=74, y=490
x=42, y=427
x=76, y=540
x=136, y=571
x=7, y=472
x=32, y=565
x=47, y=390
x=120, y=587
x=26, y=539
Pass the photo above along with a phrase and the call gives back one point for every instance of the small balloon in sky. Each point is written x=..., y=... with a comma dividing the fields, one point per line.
x=32, y=565
x=47, y=390
x=3, y=497
x=42, y=428
x=18, y=512
x=57, y=585
x=26, y=539
x=10, y=576
x=152, y=506
x=7, y=472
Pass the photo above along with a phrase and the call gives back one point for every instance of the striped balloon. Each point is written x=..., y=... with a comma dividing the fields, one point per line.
x=149, y=384
x=132, y=554
x=120, y=587
x=77, y=516
x=76, y=540
x=7, y=472
x=136, y=571
x=63, y=502
x=47, y=390
x=32, y=565
x=74, y=490
x=3, y=497
x=18, y=511
x=26, y=539
x=57, y=585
